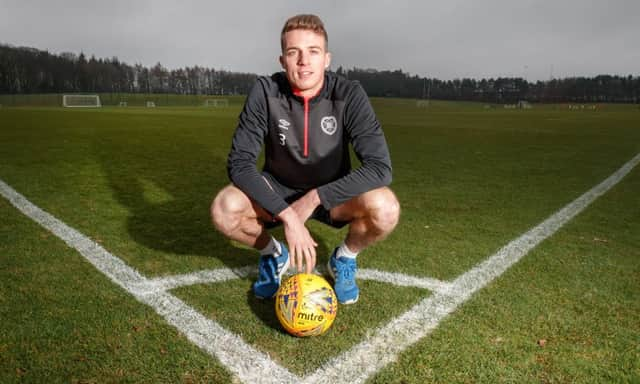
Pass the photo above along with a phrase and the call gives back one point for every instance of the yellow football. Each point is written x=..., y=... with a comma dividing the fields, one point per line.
x=306, y=305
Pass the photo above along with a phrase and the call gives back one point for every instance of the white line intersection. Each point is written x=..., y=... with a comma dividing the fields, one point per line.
x=356, y=365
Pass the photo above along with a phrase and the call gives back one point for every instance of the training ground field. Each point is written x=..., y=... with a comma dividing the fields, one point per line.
x=516, y=259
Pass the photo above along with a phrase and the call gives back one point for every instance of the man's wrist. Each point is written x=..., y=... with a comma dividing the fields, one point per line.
x=287, y=214
x=314, y=197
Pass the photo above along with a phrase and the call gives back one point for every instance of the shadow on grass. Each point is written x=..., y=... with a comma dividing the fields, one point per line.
x=264, y=310
x=167, y=185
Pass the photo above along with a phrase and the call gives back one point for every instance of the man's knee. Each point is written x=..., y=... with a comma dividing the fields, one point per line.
x=383, y=210
x=227, y=209
x=380, y=210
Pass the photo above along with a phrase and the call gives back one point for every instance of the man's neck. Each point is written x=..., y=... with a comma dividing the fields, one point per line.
x=309, y=93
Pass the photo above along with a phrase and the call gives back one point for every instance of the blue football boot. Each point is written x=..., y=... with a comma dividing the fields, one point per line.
x=343, y=270
x=270, y=271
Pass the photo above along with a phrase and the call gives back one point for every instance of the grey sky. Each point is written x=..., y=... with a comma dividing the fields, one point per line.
x=445, y=38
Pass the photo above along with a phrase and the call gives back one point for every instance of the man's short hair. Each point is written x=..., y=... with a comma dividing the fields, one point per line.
x=308, y=22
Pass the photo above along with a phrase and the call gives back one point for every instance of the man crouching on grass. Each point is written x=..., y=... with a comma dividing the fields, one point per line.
x=306, y=118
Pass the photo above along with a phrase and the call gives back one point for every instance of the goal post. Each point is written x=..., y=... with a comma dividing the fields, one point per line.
x=216, y=103
x=80, y=101
x=421, y=103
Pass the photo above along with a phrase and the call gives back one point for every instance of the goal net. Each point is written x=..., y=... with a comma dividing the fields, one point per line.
x=81, y=101
x=217, y=103
x=524, y=104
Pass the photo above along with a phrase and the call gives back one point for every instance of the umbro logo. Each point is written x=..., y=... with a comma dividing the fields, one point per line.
x=329, y=125
x=283, y=124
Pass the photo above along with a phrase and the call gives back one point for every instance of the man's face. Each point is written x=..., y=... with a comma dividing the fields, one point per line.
x=304, y=60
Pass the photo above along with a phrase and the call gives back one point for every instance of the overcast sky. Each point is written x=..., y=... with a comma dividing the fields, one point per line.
x=447, y=39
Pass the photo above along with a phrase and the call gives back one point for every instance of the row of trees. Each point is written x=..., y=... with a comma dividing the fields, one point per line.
x=602, y=88
x=28, y=70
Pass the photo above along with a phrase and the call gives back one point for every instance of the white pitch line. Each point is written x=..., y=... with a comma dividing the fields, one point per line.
x=355, y=365
x=403, y=280
x=244, y=361
x=383, y=347
x=114, y=268
x=208, y=276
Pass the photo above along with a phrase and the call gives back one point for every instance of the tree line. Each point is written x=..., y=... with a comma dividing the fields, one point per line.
x=598, y=89
x=29, y=70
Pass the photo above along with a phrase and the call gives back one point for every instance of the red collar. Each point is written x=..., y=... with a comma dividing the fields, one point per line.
x=298, y=93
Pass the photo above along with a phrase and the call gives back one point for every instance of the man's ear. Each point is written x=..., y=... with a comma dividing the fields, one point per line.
x=282, y=61
x=328, y=60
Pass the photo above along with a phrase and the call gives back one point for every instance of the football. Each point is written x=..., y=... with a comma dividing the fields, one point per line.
x=306, y=305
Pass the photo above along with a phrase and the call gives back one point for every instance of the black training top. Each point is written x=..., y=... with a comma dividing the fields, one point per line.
x=307, y=142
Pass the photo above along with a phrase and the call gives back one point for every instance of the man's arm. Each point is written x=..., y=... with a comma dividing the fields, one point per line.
x=302, y=247
x=370, y=147
x=245, y=148
x=243, y=172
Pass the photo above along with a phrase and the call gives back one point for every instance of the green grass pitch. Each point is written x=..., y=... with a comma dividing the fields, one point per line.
x=139, y=181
